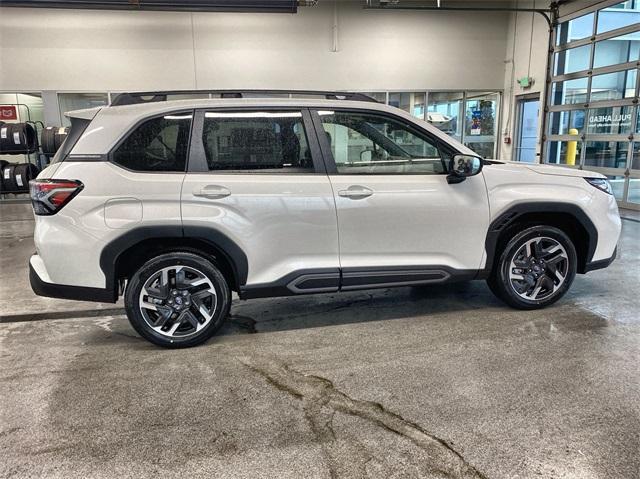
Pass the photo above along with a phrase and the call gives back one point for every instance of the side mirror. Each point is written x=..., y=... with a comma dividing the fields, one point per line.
x=462, y=166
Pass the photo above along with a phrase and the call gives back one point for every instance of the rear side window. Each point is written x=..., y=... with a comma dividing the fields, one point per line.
x=158, y=144
x=256, y=141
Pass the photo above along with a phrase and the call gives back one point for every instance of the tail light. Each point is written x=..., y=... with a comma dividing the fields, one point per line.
x=49, y=196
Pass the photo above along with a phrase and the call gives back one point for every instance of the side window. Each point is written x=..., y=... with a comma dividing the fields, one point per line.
x=368, y=143
x=158, y=144
x=256, y=141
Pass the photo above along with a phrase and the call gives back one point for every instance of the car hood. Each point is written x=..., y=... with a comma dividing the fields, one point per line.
x=543, y=169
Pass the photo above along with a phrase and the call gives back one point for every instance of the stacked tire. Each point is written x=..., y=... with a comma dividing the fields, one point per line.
x=52, y=138
x=16, y=176
x=18, y=138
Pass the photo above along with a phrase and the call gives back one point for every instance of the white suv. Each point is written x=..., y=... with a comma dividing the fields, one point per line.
x=176, y=204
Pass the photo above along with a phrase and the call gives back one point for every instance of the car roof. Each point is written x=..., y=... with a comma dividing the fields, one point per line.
x=111, y=122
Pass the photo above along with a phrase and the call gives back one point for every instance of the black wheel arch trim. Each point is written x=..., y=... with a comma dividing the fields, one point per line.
x=511, y=215
x=234, y=255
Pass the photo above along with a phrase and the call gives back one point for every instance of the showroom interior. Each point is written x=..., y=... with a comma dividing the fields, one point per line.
x=419, y=381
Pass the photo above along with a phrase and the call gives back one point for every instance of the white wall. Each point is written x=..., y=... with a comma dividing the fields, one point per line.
x=72, y=50
x=531, y=34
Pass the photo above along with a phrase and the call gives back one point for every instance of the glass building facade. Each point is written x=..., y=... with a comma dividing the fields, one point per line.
x=593, y=120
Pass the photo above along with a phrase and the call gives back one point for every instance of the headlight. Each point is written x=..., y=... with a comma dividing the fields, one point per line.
x=601, y=184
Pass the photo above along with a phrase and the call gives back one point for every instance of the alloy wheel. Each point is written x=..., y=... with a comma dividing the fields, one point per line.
x=538, y=268
x=178, y=301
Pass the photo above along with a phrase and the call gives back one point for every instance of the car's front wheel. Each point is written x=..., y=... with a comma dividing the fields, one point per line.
x=177, y=300
x=535, y=269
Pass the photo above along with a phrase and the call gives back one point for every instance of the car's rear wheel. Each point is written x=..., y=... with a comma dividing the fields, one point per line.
x=177, y=300
x=535, y=269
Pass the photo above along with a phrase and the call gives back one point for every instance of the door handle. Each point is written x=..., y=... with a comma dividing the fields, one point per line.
x=355, y=192
x=212, y=192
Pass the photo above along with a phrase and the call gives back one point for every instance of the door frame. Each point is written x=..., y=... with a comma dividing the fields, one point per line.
x=517, y=129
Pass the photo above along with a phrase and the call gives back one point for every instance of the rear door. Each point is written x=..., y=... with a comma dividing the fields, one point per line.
x=256, y=178
x=399, y=220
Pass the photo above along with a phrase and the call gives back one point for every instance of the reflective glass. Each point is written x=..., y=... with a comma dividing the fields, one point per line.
x=614, y=86
x=78, y=101
x=575, y=29
x=617, y=185
x=572, y=60
x=614, y=120
x=413, y=103
x=633, y=195
x=622, y=49
x=443, y=112
x=566, y=122
x=378, y=96
x=617, y=16
x=606, y=154
x=564, y=152
x=635, y=163
x=570, y=92
x=480, y=124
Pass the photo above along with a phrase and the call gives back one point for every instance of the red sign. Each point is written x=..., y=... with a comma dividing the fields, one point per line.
x=8, y=113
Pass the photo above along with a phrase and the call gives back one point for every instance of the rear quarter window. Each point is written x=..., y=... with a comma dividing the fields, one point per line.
x=157, y=144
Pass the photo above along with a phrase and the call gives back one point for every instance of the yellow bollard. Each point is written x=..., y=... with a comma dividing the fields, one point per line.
x=572, y=148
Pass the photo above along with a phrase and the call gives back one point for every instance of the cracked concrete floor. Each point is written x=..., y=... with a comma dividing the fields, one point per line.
x=413, y=382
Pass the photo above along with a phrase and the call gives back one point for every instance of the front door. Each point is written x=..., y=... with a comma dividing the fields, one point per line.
x=399, y=220
x=256, y=180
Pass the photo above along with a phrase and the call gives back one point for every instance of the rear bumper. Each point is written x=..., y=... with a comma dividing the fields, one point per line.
x=63, y=291
x=600, y=264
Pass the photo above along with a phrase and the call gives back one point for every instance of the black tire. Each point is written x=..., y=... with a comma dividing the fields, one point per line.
x=504, y=287
x=192, y=262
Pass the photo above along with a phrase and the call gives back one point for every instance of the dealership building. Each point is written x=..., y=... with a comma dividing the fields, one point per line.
x=492, y=77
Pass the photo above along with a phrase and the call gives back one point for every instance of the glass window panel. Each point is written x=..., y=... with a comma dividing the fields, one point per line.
x=78, y=101
x=614, y=120
x=444, y=112
x=617, y=16
x=633, y=195
x=569, y=92
x=614, y=86
x=256, y=141
x=635, y=163
x=413, y=103
x=566, y=122
x=581, y=27
x=363, y=143
x=572, y=60
x=617, y=185
x=480, y=124
x=159, y=144
x=606, y=154
x=623, y=49
x=564, y=152
x=378, y=96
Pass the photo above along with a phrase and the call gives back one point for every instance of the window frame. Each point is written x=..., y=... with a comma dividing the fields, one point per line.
x=327, y=153
x=197, y=160
x=125, y=136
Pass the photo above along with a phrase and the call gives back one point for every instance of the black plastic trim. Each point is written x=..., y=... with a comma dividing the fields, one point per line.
x=332, y=280
x=233, y=253
x=512, y=214
x=62, y=291
x=306, y=281
x=601, y=263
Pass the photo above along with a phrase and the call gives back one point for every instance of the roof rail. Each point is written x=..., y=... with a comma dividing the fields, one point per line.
x=156, y=96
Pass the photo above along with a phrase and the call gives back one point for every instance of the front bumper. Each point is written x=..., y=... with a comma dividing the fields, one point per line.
x=63, y=291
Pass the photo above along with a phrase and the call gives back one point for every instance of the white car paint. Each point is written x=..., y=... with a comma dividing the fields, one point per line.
x=286, y=223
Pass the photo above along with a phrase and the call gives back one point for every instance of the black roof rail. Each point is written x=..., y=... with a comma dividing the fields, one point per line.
x=156, y=96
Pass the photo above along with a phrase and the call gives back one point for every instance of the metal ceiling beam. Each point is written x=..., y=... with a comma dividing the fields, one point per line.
x=263, y=6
